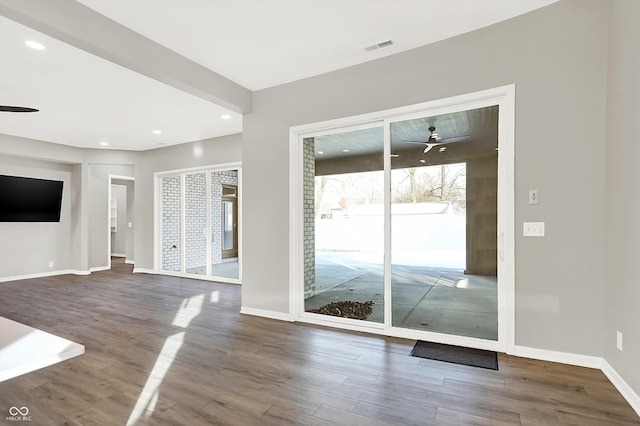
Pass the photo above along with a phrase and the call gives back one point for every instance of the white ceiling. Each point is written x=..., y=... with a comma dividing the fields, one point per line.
x=260, y=44
x=84, y=99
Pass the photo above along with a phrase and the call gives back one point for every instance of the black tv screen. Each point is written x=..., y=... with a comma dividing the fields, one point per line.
x=29, y=200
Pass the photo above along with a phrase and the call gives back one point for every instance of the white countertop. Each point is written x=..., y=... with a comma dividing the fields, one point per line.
x=24, y=349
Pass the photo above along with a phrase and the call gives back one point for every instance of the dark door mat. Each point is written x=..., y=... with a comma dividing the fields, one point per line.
x=456, y=354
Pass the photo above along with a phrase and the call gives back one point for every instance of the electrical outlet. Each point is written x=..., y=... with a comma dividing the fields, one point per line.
x=619, y=340
x=51, y=264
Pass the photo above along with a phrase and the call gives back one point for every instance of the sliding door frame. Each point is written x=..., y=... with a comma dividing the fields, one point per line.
x=157, y=233
x=504, y=98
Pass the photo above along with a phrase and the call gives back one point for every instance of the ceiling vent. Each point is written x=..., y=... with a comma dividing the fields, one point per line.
x=380, y=45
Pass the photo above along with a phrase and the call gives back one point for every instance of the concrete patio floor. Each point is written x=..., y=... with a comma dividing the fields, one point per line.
x=424, y=298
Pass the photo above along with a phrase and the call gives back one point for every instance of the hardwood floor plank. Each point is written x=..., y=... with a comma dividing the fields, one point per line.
x=175, y=351
x=452, y=417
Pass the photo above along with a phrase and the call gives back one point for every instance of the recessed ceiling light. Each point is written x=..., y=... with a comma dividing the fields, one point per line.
x=34, y=45
x=346, y=150
x=443, y=148
x=104, y=143
x=156, y=132
x=225, y=116
x=423, y=161
x=395, y=155
x=320, y=152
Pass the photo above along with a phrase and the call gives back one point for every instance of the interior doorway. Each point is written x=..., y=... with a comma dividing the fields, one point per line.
x=120, y=241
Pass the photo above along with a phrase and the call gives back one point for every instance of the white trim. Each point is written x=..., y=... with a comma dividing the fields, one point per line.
x=99, y=268
x=208, y=223
x=118, y=255
x=623, y=387
x=560, y=357
x=281, y=316
x=296, y=221
x=212, y=168
x=387, y=250
x=43, y=275
x=239, y=230
x=211, y=278
x=130, y=262
x=143, y=271
x=183, y=226
x=157, y=223
x=504, y=97
x=403, y=333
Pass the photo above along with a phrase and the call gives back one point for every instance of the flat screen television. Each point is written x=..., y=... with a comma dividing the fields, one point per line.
x=25, y=199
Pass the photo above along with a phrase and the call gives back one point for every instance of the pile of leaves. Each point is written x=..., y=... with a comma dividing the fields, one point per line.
x=346, y=309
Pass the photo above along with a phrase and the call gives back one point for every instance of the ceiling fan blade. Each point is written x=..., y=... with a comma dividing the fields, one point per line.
x=458, y=139
x=9, y=108
x=429, y=146
x=417, y=142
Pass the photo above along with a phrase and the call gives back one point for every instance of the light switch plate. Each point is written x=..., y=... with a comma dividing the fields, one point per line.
x=533, y=229
x=533, y=197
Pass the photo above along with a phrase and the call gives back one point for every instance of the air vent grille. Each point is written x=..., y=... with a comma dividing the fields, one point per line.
x=380, y=45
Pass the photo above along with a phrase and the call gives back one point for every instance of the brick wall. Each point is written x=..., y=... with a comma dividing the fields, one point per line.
x=308, y=183
x=195, y=221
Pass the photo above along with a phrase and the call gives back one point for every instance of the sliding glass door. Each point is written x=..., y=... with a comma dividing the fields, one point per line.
x=444, y=214
x=344, y=224
x=417, y=230
x=199, y=223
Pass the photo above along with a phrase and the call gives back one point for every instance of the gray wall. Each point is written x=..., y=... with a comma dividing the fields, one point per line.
x=555, y=58
x=623, y=205
x=227, y=149
x=27, y=248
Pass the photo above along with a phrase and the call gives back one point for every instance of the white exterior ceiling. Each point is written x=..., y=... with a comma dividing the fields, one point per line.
x=84, y=99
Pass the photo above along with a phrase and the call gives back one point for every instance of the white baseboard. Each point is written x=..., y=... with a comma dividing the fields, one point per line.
x=130, y=262
x=43, y=275
x=561, y=357
x=99, y=268
x=282, y=316
x=623, y=387
x=143, y=271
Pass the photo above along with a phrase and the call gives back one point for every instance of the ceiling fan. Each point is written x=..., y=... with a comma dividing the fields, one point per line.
x=8, y=108
x=435, y=140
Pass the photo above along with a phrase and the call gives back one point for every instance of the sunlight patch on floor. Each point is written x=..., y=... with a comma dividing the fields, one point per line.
x=146, y=404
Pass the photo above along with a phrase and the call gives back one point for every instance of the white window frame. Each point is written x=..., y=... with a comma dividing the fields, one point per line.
x=504, y=98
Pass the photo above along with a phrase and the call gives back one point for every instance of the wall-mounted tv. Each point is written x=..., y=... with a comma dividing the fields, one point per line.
x=25, y=199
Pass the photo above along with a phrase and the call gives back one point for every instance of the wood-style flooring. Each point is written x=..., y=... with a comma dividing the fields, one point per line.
x=165, y=350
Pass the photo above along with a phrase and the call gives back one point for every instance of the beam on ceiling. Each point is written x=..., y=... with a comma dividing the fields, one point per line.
x=86, y=29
